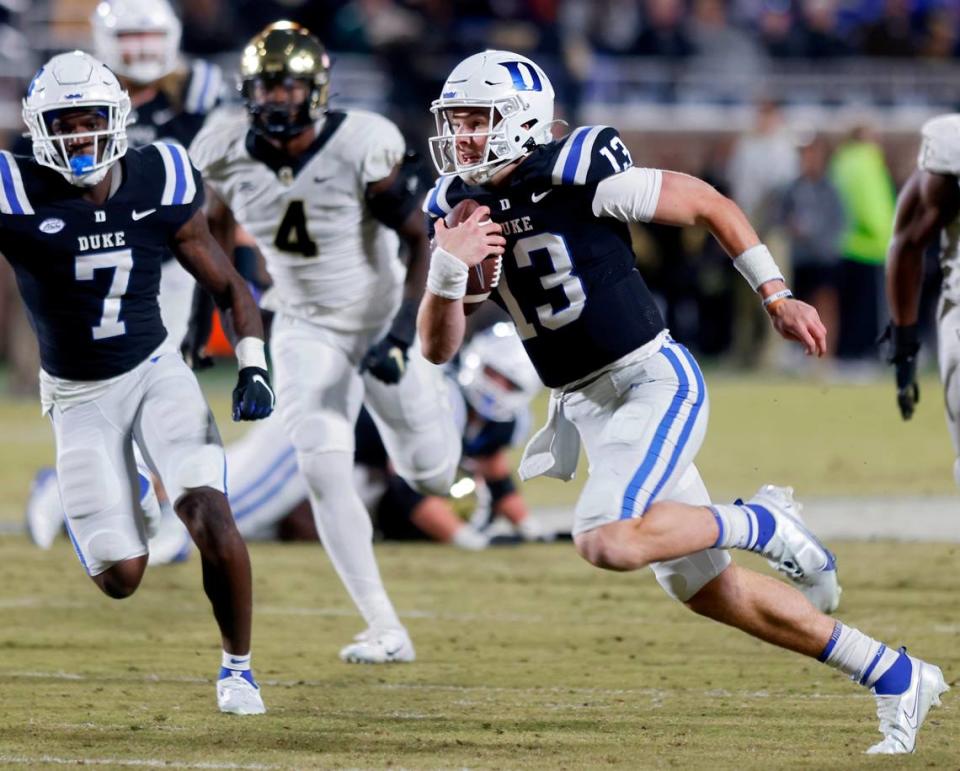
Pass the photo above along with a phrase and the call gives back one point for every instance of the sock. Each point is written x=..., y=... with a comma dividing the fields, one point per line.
x=233, y=661
x=870, y=663
x=747, y=526
x=232, y=665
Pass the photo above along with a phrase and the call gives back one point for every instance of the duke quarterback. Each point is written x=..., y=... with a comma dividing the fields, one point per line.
x=556, y=212
x=329, y=198
x=86, y=224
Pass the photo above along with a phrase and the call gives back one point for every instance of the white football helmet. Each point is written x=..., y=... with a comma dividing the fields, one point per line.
x=519, y=97
x=74, y=82
x=138, y=39
x=496, y=375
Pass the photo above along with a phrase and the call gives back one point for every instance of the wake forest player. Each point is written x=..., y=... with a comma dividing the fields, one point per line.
x=328, y=198
x=86, y=225
x=928, y=204
x=170, y=99
x=557, y=212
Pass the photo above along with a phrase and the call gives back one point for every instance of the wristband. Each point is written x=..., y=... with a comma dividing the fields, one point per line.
x=447, y=276
x=756, y=265
x=250, y=353
x=783, y=294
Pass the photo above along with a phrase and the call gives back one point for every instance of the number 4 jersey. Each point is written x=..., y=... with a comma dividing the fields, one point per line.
x=323, y=248
x=569, y=280
x=89, y=274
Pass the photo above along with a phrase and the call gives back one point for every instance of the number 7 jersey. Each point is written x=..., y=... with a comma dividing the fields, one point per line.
x=569, y=280
x=89, y=274
x=308, y=215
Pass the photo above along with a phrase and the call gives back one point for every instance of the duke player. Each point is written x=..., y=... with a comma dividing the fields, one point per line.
x=328, y=199
x=86, y=225
x=557, y=211
x=140, y=41
x=928, y=204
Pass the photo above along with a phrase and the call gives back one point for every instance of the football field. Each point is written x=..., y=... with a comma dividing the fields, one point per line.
x=527, y=656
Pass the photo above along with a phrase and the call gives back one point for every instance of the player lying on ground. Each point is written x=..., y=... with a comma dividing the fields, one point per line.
x=557, y=211
x=86, y=225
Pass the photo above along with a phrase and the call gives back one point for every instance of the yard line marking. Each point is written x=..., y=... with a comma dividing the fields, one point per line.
x=21, y=760
x=712, y=693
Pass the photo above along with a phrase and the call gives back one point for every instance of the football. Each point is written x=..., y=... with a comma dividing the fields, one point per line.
x=483, y=277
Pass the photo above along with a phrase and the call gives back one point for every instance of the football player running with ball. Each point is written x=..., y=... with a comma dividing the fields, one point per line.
x=86, y=224
x=328, y=197
x=557, y=212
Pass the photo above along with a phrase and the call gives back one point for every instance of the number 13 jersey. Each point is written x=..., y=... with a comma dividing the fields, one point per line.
x=323, y=248
x=569, y=280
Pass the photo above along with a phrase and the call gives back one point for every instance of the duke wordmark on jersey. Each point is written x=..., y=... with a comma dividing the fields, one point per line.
x=569, y=280
x=89, y=273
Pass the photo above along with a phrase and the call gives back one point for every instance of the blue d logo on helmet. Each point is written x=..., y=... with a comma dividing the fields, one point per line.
x=517, y=71
x=519, y=114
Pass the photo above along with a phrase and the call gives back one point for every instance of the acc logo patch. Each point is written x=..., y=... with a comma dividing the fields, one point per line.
x=52, y=225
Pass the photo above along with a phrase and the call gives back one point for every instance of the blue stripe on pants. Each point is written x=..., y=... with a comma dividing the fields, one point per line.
x=628, y=507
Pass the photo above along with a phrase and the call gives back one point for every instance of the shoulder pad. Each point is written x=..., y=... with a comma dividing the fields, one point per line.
x=203, y=88
x=940, y=146
x=13, y=197
x=179, y=176
x=589, y=154
x=220, y=131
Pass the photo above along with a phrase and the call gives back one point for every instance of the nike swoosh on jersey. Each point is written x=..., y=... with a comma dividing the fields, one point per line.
x=537, y=197
x=139, y=215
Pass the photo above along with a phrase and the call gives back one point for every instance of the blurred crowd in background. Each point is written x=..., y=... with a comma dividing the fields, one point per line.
x=806, y=112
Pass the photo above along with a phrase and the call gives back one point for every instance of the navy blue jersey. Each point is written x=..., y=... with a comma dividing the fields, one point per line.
x=569, y=280
x=90, y=274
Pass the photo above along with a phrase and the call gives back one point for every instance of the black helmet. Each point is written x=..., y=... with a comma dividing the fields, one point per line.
x=280, y=54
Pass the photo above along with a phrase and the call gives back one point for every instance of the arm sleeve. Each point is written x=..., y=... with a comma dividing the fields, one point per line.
x=630, y=196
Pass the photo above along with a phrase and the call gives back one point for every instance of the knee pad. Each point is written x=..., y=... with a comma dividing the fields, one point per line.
x=202, y=466
x=108, y=546
x=322, y=431
x=437, y=484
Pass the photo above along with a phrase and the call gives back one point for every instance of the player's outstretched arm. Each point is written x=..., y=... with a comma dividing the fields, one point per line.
x=686, y=200
x=198, y=251
x=455, y=250
x=926, y=204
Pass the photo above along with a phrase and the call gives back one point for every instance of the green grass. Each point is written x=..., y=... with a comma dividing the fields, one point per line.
x=822, y=439
x=528, y=658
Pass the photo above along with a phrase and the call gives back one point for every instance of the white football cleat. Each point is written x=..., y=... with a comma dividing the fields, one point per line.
x=901, y=716
x=44, y=513
x=379, y=646
x=238, y=693
x=796, y=552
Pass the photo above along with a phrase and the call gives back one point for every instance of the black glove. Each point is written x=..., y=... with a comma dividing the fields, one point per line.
x=902, y=354
x=253, y=397
x=387, y=359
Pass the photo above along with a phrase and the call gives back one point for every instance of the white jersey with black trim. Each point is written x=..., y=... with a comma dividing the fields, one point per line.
x=323, y=248
x=940, y=154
